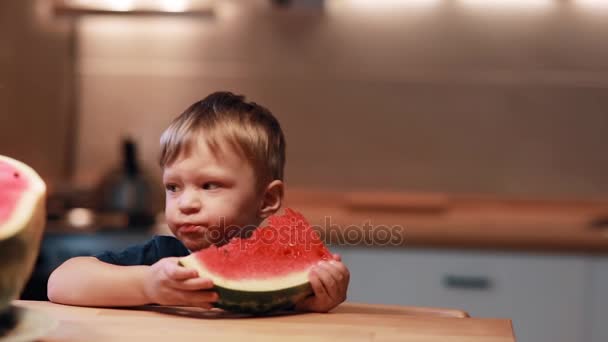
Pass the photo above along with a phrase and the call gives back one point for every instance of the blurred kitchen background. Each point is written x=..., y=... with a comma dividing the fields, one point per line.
x=479, y=126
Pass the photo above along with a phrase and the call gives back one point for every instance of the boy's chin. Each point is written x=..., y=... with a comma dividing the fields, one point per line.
x=198, y=240
x=196, y=245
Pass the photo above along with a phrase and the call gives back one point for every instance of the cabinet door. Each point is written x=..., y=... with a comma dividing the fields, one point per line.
x=543, y=295
x=598, y=315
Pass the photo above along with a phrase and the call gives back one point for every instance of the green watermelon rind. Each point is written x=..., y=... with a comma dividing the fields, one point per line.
x=255, y=302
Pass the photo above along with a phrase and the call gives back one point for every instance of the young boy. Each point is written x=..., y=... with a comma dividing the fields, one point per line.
x=222, y=161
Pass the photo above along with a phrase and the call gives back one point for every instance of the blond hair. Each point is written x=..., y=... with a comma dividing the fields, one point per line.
x=223, y=117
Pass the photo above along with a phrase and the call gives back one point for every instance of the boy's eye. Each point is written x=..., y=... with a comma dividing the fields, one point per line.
x=171, y=187
x=210, y=186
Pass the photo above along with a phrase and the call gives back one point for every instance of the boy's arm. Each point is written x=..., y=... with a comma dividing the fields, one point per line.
x=90, y=282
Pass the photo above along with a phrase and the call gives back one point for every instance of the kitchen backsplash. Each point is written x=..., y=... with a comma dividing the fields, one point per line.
x=423, y=99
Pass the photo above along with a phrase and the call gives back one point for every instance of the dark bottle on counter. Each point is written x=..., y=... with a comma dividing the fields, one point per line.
x=128, y=191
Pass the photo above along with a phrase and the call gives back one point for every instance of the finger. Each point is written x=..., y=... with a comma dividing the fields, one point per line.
x=337, y=257
x=337, y=289
x=336, y=271
x=193, y=284
x=203, y=305
x=204, y=296
x=316, y=284
x=334, y=275
x=175, y=272
x=342, y=274
x=327, y=279
x=197, y=298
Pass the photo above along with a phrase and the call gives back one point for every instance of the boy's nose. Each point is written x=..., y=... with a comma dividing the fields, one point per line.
x=189, y=203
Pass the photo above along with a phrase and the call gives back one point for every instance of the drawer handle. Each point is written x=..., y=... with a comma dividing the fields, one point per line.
x=460, y=282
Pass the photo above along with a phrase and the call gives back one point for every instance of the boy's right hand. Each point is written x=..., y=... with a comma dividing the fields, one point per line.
x=167, y=283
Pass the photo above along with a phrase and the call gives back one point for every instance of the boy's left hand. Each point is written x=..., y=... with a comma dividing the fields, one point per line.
x=329, y=281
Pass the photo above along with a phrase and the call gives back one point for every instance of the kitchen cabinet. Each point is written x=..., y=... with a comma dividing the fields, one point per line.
x=544, y=294
x=598, y=300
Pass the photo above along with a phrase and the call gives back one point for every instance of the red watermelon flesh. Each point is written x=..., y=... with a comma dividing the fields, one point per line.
x=286, y=244
x=266, y=271
x=12, y=183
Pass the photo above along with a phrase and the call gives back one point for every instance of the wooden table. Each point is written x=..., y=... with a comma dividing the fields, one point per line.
x=348, y=322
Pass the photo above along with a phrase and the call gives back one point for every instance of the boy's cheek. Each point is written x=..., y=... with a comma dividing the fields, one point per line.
x=170, y=210
x=170, y=220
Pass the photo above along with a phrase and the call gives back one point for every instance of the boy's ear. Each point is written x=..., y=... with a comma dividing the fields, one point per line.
x=273, y=198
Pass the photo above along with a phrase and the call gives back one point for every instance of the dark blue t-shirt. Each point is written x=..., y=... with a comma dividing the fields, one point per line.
x=146, y=254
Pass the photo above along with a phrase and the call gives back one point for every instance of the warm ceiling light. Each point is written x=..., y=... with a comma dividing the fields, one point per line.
x=592, y=4
x=174, y=5
x=509, y=4
x=120, y=5
x=379, y=5
x=188, y=7
x=388, y=4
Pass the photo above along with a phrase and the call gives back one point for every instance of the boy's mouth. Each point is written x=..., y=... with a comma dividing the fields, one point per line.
x=190, y=228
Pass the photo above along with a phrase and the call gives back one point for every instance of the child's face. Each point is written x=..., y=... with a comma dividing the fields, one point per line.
x=208, y=195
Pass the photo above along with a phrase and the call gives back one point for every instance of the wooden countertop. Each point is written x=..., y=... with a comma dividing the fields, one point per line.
x=349, y=322
x=463, y=221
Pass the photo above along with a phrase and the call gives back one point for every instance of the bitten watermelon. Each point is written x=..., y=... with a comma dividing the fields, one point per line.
x=266, y=272
x=22, y=219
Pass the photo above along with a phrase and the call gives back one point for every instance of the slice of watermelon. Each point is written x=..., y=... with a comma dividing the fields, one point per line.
x=266, y=272
x=22, y=219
